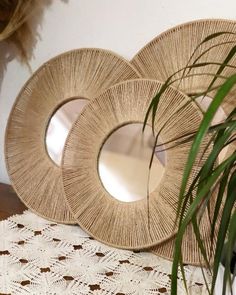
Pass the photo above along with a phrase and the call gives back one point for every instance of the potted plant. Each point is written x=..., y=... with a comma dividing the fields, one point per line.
x=220, y=177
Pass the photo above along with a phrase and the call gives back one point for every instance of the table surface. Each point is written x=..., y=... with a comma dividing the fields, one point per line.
x=10, y=204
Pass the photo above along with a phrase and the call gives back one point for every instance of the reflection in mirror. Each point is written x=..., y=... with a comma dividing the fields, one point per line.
x=60, y=125
x=220, y=116
x=204, y=102
x=124, y=163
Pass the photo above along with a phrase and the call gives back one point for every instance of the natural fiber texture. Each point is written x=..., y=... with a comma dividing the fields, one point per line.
x=82, y=73
x=18, y=22
x=190, y=250
x=14, y=26
x=13, y=15
x=171, y=51
x=107, y=219
x=40, y=257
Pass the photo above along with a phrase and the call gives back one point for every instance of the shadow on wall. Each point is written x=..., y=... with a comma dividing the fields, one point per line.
x=19, y=22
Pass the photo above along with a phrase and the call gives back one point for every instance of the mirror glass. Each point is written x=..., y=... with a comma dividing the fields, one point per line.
x=219, y=117
x=124, y=163
x=59, y=127
x=204, y=102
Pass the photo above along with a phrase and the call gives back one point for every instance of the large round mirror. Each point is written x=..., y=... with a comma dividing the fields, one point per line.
x=60, y=125
x=124, y=163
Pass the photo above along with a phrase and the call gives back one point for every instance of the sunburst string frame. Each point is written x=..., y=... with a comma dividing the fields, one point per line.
x=82, y=73
x=172, y=51
x=117, y=223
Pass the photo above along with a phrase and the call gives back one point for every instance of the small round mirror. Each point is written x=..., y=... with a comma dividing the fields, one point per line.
x=59, y=127
x=124, y=163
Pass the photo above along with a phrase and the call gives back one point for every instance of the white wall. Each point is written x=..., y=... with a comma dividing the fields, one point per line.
x=123, y=26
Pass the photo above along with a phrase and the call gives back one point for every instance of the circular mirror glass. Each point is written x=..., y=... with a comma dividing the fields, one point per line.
x=59, y=127
x=124, y=163
x=204, y=102
x=220, y=116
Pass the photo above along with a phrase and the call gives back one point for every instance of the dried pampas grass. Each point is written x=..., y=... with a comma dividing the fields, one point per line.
x=17, y=27
x=19, y=20
x=13, y=14
x=14, y=27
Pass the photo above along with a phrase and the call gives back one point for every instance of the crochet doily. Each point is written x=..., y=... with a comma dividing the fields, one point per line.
x=41, y=257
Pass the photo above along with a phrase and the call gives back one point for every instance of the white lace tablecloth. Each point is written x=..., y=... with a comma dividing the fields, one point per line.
x=41, y=257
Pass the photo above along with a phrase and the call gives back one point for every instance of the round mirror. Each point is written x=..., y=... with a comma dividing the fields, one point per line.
x=60, y=125
x=124, y=163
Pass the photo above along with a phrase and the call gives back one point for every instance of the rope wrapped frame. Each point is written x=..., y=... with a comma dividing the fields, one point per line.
x=82, y=73
x=164, y=56
x=113, y=222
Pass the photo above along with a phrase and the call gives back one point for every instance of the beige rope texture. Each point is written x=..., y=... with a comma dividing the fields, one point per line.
x=170, y=52
x=111, y=221
x=191, y=253
x=82, y=73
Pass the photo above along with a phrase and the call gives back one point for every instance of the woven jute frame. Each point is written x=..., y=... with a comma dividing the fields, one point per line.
x=82, y=73
x=191, y=254
x=111, y=221
x=168, y=53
